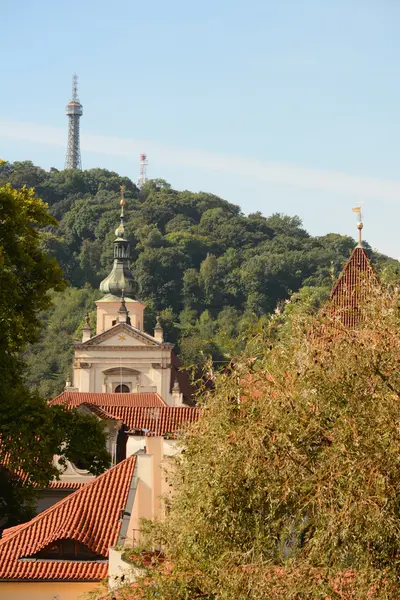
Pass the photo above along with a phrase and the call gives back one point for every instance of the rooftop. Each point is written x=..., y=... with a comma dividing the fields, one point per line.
x=352, y=287
x=105, y=400
x=90, y=516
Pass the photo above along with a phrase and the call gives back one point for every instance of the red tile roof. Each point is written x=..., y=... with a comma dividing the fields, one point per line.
x=58, y=484
x=156, y=418
x=91, y=516
x=106, y=399
x=352, y=287
x=158, y=421
x=97, y=410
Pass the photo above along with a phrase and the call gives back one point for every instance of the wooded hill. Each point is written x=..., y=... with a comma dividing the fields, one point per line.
x=210, y=271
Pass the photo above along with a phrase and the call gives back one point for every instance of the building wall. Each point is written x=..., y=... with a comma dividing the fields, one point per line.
x=44, y=591
x=48, y=498
x=107, y=312
x=152, y=363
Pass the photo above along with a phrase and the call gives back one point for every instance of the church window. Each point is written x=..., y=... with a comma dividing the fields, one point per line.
x=122, y=389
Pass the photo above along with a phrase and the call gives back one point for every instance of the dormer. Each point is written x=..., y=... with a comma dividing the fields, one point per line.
x=65, y=549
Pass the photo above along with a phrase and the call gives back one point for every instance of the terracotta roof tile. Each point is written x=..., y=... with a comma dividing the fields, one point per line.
x=154, y=418
x=97, y=410
x=91, y=516
x=352, y=287
x=106, y=399
x=59, y=484
x=158, y=421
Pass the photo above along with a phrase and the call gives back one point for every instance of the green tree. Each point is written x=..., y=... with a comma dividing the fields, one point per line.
x=289, y=484
x=188, y=250
x=30, y=431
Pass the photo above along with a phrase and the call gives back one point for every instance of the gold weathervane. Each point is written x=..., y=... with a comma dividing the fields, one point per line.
x=360, y=224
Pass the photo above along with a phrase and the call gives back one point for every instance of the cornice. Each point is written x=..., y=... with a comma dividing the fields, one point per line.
x=141, y=336
x=96, y=348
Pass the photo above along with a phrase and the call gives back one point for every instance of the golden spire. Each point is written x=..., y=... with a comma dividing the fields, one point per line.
x=360, y=224
x=119, y=232
x=122, y=202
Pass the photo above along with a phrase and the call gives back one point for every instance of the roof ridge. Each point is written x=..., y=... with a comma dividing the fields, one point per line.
x=126, y=325
x=97, y=408
x=66, y=396
x=56, y=506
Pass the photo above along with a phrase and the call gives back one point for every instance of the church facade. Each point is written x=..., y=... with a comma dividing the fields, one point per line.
x=120, y=357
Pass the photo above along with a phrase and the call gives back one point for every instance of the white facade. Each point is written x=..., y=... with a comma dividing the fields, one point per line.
x=122, y=357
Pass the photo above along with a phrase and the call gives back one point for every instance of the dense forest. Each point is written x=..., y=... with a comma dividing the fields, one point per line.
x=209, y=271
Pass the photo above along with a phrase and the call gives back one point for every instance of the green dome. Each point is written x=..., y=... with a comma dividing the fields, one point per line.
x=120, y=281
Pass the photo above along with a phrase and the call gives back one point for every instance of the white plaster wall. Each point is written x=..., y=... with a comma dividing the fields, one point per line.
x=171, y=447
x=107, y=312
x=151, y=378
x=134, y=444
x=117, y=568
x=143, y=507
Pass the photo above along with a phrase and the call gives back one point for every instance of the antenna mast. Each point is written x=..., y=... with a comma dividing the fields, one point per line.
x=74, y=111
x=143, y=170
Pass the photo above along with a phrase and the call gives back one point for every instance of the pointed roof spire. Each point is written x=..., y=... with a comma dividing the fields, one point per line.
x=120, y=277
x=354, y=282
x=120, y=231
x=123, y=312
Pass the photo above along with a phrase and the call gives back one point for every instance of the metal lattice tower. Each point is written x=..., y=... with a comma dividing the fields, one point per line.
x=143, y=170
x=74, y=111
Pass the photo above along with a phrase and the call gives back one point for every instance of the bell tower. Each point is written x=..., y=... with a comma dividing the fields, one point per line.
x=121, y=358
x=119, y=283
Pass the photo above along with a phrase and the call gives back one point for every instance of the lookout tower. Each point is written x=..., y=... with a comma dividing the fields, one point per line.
x=74, y=111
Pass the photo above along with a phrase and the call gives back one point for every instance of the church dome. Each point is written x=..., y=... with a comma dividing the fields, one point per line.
x=120, y=281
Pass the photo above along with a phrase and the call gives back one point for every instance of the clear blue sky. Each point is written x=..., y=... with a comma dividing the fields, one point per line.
x=280, y=106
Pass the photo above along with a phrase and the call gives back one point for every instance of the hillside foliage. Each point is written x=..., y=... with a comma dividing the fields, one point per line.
x=32, y=432
x=288, y=488
x=209, y=271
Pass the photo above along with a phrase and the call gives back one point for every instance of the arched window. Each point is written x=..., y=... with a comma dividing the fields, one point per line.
x=122, y=389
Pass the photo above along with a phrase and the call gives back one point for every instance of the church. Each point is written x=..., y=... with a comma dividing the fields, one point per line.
x=120, y=357
x=130, y=380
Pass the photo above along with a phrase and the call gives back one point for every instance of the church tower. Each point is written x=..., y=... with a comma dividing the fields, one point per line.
x=121, y=357
x=119, y=283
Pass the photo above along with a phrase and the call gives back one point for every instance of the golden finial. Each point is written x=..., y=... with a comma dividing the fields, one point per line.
x=360, y=224
x=122, y=188
x=119, y=232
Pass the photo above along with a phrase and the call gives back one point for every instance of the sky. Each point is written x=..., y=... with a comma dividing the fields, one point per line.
x=287, y=106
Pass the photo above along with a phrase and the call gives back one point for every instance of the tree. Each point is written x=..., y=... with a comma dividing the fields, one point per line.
x=30, y=431
x=289, y=485
x=188, y=249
